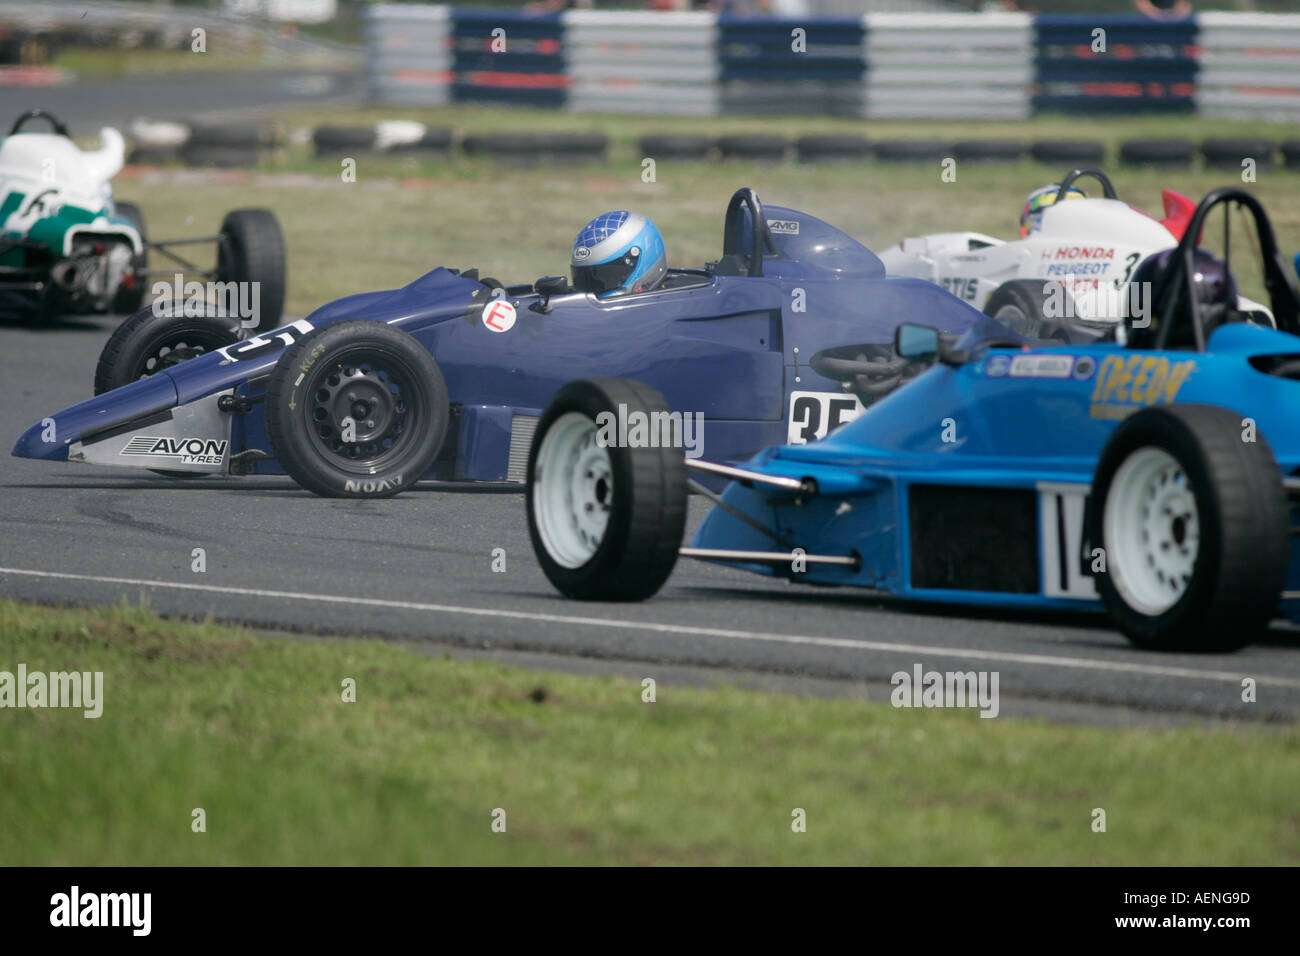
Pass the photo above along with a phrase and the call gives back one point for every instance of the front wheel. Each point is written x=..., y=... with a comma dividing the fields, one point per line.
x=159, y=336
x=606, y=518
x=1194, y=526
x=250, y=253
x=356, y=409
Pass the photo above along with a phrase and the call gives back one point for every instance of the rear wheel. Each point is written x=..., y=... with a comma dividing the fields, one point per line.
x=251, y=253
x=1194, y=525
x=356, y=409
x=605, y=519
x=1027, y=307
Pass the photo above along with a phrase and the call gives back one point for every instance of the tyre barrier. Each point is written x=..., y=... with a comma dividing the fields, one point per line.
x=989, y=151
x=537, y=147
x=232, y=145
x=912, y=150
x=677, y=146
x=1224, y=153
x=759, y=147
x=1055, y=152
x=823, y=148
x=1159, y=153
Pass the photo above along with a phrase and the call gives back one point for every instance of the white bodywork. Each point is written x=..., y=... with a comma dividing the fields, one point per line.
x=53, y=174
x=1091, y=246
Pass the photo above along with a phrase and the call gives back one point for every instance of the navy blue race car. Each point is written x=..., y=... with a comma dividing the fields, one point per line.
x=1155, y=474
x=446, y=377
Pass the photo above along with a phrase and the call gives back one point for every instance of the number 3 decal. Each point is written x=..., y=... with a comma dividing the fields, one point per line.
x=814, y=414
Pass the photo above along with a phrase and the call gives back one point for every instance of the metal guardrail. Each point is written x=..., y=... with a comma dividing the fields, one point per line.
x=879, y=65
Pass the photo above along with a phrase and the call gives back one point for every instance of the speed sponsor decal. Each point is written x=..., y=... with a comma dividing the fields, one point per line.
x=1080, y=252
x=814, y=414
x=1128, y=382
x=499, y=315
x=187, y=451
x=1041, y=366
x=783, y=227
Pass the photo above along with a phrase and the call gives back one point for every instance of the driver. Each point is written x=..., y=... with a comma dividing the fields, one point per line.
x=1216, y=291
x=617, y=253
x=1031, y=216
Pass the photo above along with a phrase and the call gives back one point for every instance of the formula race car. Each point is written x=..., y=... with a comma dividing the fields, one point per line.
x=67, y=247
x=1066, y=276
x=447, y=376
x=1149, y=475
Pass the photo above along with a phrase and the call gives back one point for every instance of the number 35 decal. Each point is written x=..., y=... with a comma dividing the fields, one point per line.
x=813, y=414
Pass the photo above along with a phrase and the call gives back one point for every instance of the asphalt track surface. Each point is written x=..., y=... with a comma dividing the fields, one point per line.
x=181, y=96
x=417, y=568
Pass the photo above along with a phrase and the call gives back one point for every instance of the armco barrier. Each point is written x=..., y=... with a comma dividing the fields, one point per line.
x=911, y=65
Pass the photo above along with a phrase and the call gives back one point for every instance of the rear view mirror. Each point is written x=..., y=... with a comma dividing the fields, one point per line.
x=919, y=342
x=551, y=285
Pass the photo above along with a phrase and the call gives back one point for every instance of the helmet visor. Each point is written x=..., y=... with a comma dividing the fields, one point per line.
x=605, y=277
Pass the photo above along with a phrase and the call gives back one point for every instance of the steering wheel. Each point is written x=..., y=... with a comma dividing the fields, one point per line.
x=1282, y=292
x=1107, y=187
x=40, y=114
x=733, y=226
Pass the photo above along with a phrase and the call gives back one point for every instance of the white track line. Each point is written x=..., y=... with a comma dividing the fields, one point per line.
x=1040, y=660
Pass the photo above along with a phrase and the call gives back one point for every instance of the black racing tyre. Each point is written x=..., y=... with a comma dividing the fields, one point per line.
x=1028, y=307
x=771, y=148
x=1228, y=154
x=155, y=338
x=1076, y=151
x=252, y=250
x=232, y=135
x=674, y=146
x=435, y=139
x=1194, y=526
x=989, y=151
x=531, y=147
x=330, y=140
x=221, y=157
x=912, y=150
x=1162, y=153
x=384, y=382
x=605, y=520
x=129, y=300
x=830, y=148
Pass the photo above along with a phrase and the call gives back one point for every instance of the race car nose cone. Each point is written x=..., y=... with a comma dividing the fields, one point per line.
x=41, y=441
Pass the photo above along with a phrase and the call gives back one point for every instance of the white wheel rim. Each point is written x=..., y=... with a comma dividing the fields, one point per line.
x=573, y=489
x=1152, y=530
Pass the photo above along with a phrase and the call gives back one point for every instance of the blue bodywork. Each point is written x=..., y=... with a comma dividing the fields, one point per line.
x=732, y=346
x=1031, y=420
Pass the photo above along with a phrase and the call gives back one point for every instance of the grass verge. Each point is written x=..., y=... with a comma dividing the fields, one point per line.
x=253, y=730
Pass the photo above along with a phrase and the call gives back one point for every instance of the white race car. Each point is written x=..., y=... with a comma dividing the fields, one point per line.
x=1070, y=272
x=67, y=247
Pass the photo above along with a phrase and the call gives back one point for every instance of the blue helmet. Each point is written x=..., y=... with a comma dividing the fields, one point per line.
x=618, y=252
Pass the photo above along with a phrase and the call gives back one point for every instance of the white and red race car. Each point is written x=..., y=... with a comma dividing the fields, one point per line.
x=1071, y=270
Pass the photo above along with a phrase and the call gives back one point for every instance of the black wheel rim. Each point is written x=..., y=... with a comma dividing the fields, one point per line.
x=380, y=393
x=173, y=351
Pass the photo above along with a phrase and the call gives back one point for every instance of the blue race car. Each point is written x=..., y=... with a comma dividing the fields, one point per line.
x=1153, y=475
x=446, y=377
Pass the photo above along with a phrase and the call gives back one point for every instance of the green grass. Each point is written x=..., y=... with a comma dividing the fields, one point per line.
x=405, y=215
x=253, y=730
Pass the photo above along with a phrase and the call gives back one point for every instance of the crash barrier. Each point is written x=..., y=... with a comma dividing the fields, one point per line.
x=238, y=144
x=878, y=66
